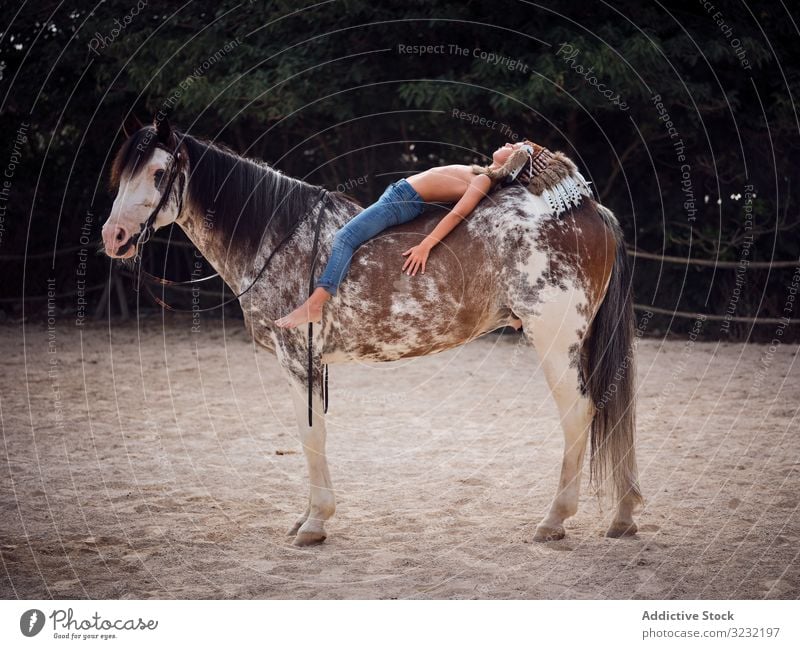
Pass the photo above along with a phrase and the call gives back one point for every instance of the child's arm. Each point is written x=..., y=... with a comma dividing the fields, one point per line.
x=418, y=255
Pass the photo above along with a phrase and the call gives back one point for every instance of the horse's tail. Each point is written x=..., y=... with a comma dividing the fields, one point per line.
x=609, y=374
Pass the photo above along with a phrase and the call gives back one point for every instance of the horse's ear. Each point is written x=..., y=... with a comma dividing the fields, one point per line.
x=163, y=130
x=131, y=125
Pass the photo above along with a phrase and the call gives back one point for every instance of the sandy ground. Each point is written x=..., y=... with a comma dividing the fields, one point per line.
x=151, y=462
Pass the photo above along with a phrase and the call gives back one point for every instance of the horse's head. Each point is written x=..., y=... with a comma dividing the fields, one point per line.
x=149, y=174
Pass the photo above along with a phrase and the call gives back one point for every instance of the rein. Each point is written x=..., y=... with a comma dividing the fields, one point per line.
x=314, y=247
x=148, y=228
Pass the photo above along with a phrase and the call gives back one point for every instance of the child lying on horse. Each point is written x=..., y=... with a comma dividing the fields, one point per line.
x=403, y=201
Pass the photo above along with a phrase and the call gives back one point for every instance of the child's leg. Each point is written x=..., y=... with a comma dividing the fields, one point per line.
x=370, y=222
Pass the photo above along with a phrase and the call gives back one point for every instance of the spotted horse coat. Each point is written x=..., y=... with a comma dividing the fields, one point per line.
x=556, y=268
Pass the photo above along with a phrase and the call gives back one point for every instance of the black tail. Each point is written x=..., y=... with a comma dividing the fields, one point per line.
x=610, y=380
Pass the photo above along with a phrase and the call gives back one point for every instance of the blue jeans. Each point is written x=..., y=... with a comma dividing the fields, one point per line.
x=399, y=203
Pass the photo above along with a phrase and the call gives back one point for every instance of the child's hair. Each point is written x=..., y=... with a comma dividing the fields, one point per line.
x=519, y=166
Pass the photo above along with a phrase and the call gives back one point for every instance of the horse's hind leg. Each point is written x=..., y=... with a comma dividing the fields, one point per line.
x=558, y=351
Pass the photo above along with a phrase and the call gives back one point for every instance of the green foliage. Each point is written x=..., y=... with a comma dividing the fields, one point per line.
x=323, y=91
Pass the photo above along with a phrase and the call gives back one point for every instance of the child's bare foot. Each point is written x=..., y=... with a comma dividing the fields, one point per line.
x=309, y=311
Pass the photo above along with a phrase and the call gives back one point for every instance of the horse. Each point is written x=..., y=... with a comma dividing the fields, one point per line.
x=563, y=278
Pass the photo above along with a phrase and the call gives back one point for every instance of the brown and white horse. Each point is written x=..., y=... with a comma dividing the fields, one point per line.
x=515, y=261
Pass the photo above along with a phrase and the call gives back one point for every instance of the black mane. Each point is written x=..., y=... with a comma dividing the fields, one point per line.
x=241, y=198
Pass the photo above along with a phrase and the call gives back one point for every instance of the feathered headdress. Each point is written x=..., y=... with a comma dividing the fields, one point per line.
x=551, y=175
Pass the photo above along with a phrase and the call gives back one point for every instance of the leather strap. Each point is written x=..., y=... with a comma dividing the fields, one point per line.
x=310, y=377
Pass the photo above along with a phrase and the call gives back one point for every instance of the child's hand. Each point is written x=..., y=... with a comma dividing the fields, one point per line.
x=418, y=256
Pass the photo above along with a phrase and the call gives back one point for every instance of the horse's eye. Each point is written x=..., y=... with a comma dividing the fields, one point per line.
x=158, y=176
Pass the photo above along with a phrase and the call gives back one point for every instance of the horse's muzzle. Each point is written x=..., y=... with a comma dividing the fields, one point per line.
x=127, y=249
x=118, y=243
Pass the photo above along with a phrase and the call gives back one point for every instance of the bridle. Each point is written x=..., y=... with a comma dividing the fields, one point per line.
x=148, y=228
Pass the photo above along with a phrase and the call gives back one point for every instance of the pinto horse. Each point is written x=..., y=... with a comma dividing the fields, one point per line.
x=515, y=261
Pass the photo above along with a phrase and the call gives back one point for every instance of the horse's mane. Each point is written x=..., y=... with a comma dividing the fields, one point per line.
x=239, y=197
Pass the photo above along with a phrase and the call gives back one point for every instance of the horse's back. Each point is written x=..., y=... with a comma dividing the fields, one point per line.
x=499, y=262
x=381, y=313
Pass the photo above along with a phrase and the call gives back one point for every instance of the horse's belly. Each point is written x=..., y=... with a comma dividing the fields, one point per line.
x=411, y=316
x=394, y=345
x=382, y=314
x=383, y=350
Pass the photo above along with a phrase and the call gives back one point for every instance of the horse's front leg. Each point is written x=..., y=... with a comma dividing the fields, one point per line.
x=310, y=527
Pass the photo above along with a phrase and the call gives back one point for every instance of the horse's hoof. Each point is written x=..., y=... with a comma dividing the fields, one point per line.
x=295, y=528
x=544, y=534
x=304, y=539
x=619, y=530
